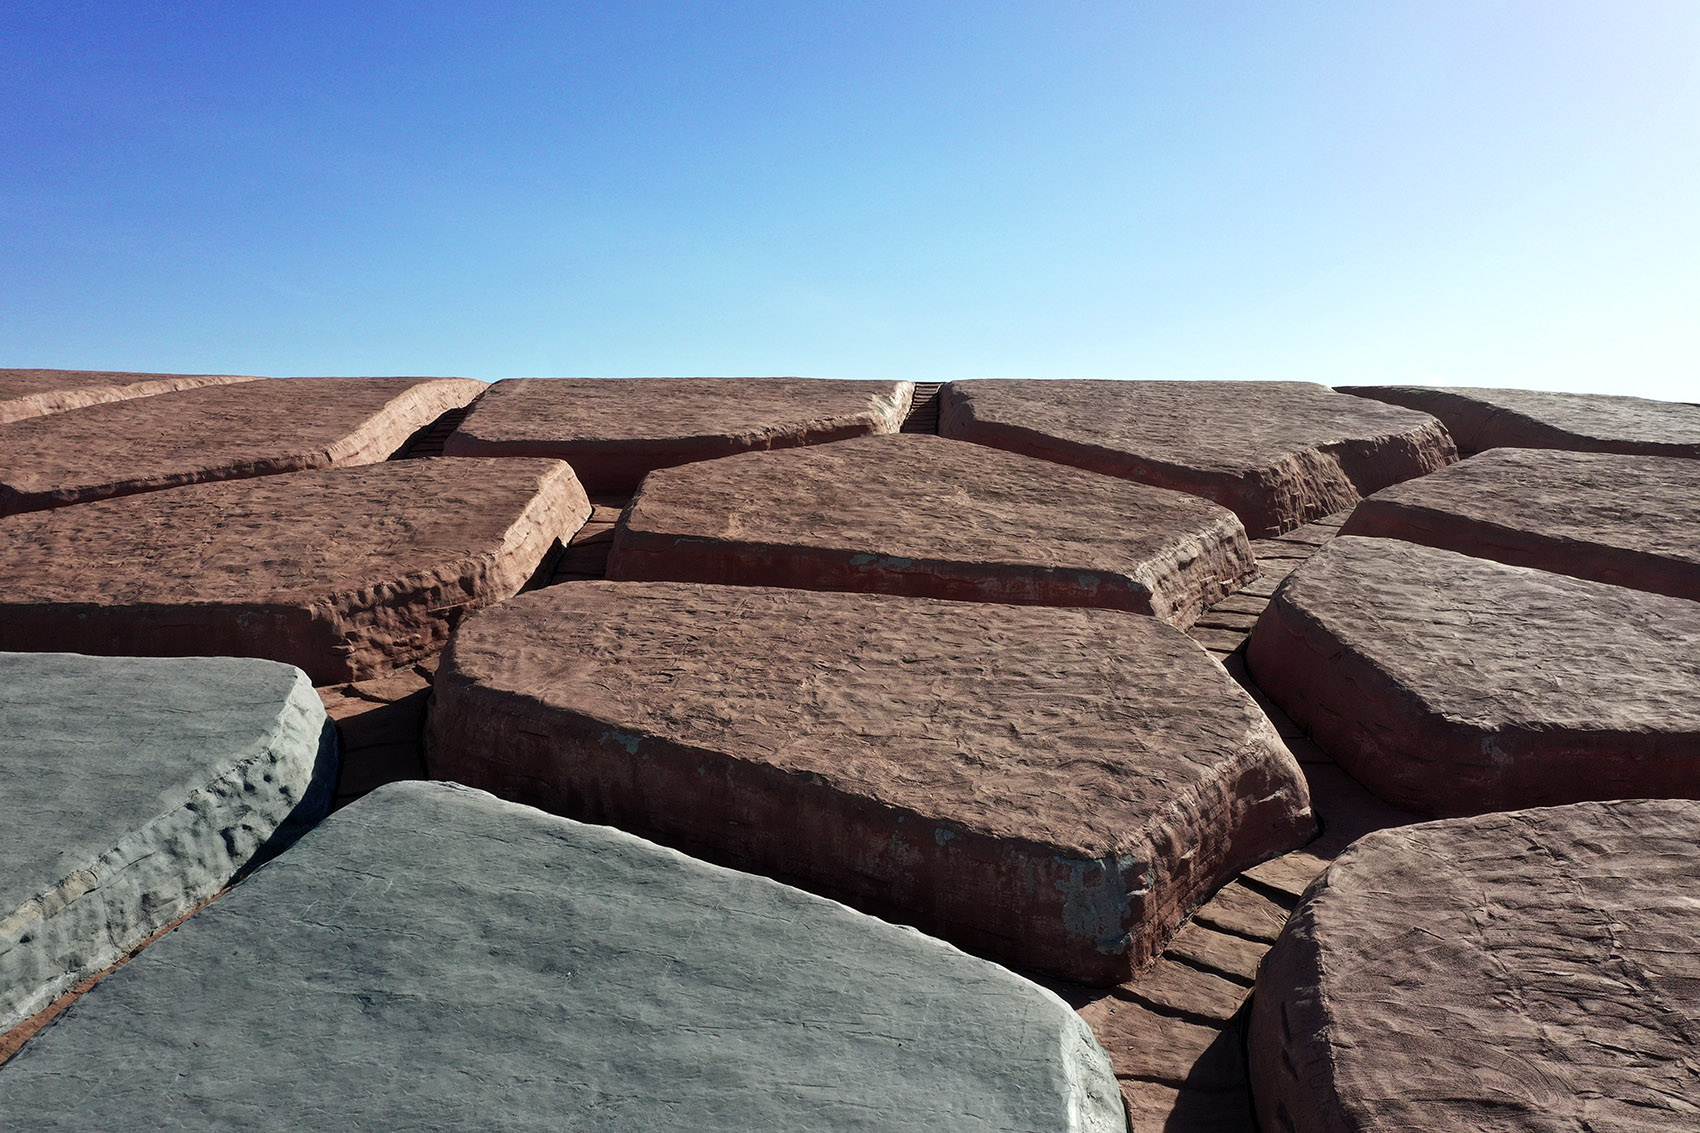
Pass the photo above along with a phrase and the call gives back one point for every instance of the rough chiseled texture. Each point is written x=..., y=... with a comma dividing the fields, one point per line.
x=615, y=430
x=130, y=790
x=344, y=572
x=1628, y=520
x=929, y=517
x=1531, y=972
x=31, y=393
x=1453, y=685
x=1480, y=419
x=222, y=432
x=1055, y=787
x=1278, y=454
x=434, y=959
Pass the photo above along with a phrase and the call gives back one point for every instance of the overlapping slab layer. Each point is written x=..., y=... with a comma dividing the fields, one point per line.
x=1531, y=971
x=1628, y=520
x=1480, y=419
x=615, y=430
x=222, y=432
x=1278, y=454
x=132, y=789
x=1054, y=787
x=31, y=393
x=928, y=517
x=343, y=572
x=1454, y=685
x=433, y=958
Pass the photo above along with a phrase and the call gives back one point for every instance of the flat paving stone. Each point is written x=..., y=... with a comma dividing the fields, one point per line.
x=1279, y=454
x=218, y=432
x=1053, y=787
x=1530, y=971
x=432, y=958
x=345, y=572
x=131, y=789
x=31, y=393
x=1480, y=419
x=614, y=431
x=928, y=517
x=1454, y=685
x=1628, y=520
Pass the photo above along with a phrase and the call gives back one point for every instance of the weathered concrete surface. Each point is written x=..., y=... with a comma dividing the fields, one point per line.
x=1278, y=454
x=1628, y=520
x=133, y=788
x=31, y=393
x=933, y=518
x=1453, y=685
x=221, y=432
x=1532, y=971
x=435, y=959
x=1054, y=787
x=1480, y=419
x=615, y=430
x=344, y=572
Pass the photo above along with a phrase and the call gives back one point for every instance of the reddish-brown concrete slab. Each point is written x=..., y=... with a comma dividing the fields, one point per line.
x=1532, y=971
x=1480, y=419
x=928, y=517
x=1454, y=685
x=1279, y=454
x=344, y=572
x=1628, y=520
x=220, y=432
x=615, y=430
x=31, y=393
x=1053, y=787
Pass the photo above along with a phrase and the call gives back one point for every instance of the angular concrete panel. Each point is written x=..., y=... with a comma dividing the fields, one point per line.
x=614, y=431
x=1054, y=787
x=1532, y=971
x=1278, y=454
x=131, y=789
x=1453, y=685
x=31, y=393
x=433, y=958
x=1628, y=520
x=933, y=518
x=344, y=572
x=224, y=432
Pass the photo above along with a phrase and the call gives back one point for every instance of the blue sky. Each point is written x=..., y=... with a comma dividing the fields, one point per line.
x=1478, y=193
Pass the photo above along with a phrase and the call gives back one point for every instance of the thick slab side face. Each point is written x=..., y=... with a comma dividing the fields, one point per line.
x=433, y=958
x=1278, y=454
x=345, y=573
x=221, y=432
x=1481, y=419
x=1453, y=685
x=928, y=517
x=1054, y=787
x=1531, y=971
x=1628, y=520
x=31, y=393
x=132, y=789
x=614, y=431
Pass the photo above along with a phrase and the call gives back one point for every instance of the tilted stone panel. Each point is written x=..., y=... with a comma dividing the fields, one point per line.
x=31, y=393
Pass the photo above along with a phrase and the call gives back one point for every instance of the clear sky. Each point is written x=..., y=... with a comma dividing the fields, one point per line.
x=1472, y=193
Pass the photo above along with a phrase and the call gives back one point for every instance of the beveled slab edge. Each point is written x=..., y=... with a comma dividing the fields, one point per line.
x=1478, y=425
x=55, y=401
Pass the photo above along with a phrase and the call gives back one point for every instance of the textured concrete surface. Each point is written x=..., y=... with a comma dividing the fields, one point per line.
x=31, y=393
x=1480, y=419
x=615, y=430
x=1453, y=685
x=221, y=432
x=133, y=788
x=1532, y=971
x=1053, y=787
x=344, y=572
x=1628, y=520
x=435, y=959
x=934, y=518
x=1278, y=454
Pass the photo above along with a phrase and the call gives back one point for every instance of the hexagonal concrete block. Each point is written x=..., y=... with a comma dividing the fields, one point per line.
x=344, y=572
x=31, y=393
x=1056, y=788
